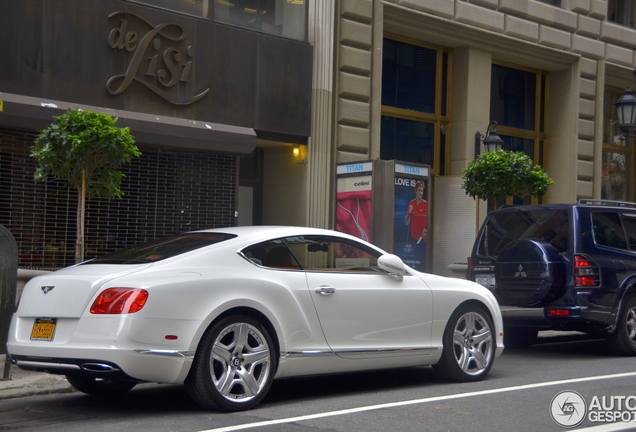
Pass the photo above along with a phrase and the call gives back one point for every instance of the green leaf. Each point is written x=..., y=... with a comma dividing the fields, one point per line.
x=501, y=173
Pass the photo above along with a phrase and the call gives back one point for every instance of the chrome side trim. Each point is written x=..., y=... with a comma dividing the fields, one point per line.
x=168, y=353
x=306, y=354
x=369, y=354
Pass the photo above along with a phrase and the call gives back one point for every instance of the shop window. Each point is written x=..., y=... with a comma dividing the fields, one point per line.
x=517, y=104
x=622, y=12
x=285, y=18
x=414, y=101
x=617, y=176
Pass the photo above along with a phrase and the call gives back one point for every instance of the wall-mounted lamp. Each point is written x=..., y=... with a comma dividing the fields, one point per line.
x=490, y=139
x=296, y=150
x=626, y=111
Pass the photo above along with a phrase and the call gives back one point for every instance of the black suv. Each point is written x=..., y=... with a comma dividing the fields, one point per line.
x=561, y=267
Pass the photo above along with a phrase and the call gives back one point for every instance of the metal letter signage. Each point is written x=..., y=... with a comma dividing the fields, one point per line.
x=161, y=59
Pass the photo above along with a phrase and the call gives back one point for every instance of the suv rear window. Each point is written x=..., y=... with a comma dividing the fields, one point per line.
x=551, y=226
x=162, y=248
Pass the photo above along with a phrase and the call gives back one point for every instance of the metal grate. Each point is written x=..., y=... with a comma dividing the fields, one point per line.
x=166, y=192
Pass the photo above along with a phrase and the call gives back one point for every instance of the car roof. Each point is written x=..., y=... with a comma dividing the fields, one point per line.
x=256, y=233
x=583, y=203
x=533, y=207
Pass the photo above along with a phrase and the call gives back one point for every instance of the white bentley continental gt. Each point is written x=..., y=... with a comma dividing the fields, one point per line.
x=227, y=311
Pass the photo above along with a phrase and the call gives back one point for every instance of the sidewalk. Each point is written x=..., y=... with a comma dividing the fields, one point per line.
x=24, y=383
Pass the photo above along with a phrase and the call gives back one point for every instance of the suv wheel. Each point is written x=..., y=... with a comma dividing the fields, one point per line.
x=519, y=337
x=623, y=340
x=529, y=273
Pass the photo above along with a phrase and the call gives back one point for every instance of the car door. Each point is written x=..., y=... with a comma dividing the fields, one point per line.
x=363, y=311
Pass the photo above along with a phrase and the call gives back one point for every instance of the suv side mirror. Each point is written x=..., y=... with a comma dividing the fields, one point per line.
x=393, y=265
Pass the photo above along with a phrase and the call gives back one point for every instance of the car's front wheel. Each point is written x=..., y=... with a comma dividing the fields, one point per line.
x=100, y=386
x=469, y=345
x=623, y=340
x=234, y=366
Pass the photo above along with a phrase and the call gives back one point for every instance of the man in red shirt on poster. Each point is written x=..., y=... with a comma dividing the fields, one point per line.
x=417, y=214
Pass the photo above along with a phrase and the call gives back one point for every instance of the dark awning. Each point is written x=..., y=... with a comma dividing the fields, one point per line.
x=157, y=130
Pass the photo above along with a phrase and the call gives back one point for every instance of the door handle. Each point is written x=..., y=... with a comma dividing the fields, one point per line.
x=325, y=290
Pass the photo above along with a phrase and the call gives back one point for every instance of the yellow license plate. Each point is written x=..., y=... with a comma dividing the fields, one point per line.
x=43, y=329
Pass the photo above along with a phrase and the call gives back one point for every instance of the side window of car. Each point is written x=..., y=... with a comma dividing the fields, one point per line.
x=273, y=254
x=608, y=230
x=629, y=222
x=324, y=253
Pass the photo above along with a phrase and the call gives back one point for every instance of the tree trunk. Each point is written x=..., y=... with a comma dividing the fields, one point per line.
x=81, y=211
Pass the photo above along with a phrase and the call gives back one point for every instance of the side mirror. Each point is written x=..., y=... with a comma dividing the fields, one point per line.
x=393, y=265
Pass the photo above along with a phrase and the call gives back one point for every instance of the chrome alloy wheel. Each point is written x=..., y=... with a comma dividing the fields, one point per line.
x=473, y=343
x=240, y=362
x=630, y=324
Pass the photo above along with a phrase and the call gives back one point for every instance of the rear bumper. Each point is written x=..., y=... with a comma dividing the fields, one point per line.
x=540, y=318
x=139, y=365
x=112, y=346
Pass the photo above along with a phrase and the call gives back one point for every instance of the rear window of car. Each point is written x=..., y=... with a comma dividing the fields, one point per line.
x=552, y=226
x=165, y=247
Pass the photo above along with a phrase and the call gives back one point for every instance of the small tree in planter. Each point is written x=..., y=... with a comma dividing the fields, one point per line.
x=84, y=149
x=497, y=174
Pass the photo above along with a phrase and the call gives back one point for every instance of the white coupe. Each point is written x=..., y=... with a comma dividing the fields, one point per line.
x=227, y=311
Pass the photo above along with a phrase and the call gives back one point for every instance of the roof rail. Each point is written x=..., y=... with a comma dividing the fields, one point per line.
x=590, y=201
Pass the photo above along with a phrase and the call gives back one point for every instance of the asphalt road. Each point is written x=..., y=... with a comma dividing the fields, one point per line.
x=522, y=390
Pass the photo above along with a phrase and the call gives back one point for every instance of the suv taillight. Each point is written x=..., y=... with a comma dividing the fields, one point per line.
x=586, y=272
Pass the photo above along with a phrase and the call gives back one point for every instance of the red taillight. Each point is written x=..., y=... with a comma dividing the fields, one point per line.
x=119, y=301
x=586, y=272
x=558, y=312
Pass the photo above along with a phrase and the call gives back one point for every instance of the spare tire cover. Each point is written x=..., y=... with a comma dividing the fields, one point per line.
x=528, y=273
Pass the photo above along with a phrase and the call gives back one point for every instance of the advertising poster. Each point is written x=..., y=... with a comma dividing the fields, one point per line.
x=353, y=200
x=411, y=216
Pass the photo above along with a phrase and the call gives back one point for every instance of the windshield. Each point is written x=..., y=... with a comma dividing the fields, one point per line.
x=162, y=248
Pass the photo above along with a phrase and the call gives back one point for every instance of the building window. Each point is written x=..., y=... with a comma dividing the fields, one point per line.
x=622, y=12
x=556, y=3
x=191, y=7
x=517, y=104
x=617, y=176
x=285, y=18
x=414, y=102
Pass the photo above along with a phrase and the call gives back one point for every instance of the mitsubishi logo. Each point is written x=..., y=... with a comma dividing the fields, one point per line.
x=520, y=272
x=47, y=288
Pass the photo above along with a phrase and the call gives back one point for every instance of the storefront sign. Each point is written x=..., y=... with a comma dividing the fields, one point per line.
x=161, y=58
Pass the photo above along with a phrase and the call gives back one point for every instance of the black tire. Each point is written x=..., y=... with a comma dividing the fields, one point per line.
x=623, y=340
x=469, y=345
x=519, y=337
x=95, y=386
x=234, y=365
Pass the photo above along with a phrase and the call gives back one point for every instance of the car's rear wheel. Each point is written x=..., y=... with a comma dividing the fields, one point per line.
x=469, y=345
x=95, y=386
x=519, y=337
x=234, y=366
x=623, y=340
